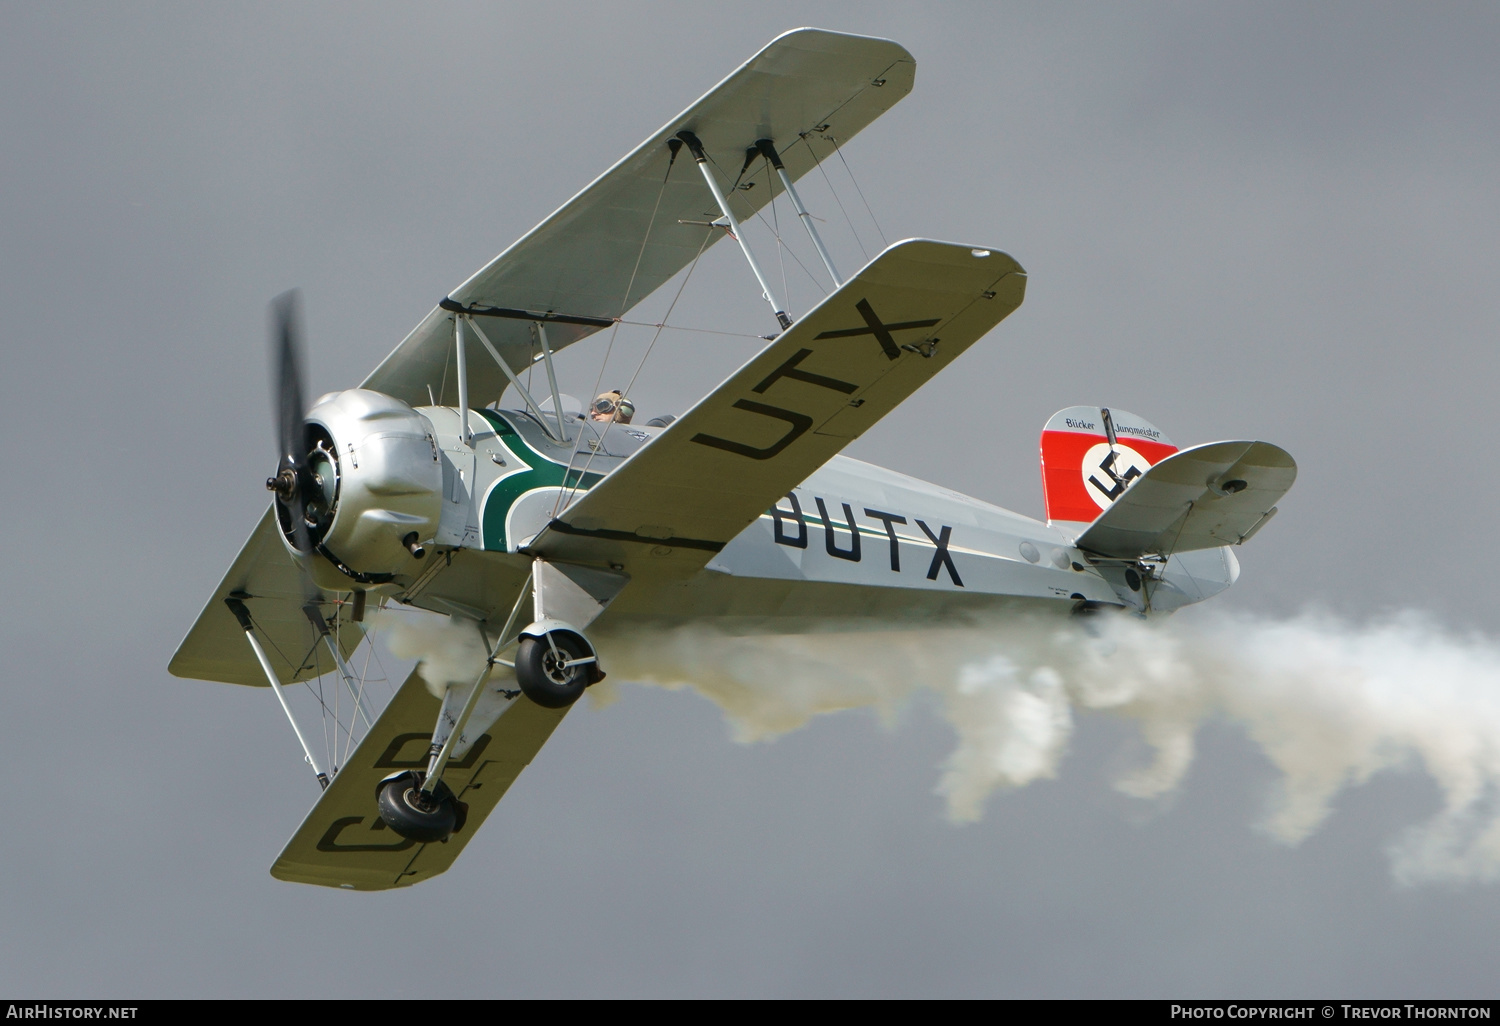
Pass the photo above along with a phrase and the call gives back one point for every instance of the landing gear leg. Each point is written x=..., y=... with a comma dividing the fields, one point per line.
x=420, y=806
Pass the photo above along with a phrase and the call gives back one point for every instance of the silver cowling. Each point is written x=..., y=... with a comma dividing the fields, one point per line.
x=379, y=490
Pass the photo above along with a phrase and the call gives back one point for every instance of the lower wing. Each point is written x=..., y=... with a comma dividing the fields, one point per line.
x=344, y=843
x=824, y=381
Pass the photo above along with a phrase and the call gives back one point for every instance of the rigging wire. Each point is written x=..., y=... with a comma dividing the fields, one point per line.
x=329, y=748
x=615, y=330
x=703, y=331
x=296, y=665
x=818, y=163
x=357, y=693
x=364, y=677
x=780, y=243
x=350, y=733
x=359, y=712
x=638, y=368
x=850, y=172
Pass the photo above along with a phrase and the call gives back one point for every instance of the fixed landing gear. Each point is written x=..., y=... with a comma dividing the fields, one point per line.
x=554, y=664
x=553, y=668
x=419, y=815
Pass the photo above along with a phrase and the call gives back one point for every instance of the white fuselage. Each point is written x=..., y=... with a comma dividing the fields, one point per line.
x=852, y=542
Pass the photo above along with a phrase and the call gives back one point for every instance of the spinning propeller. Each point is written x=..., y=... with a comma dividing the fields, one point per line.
x=306, y=480
x=292, y=481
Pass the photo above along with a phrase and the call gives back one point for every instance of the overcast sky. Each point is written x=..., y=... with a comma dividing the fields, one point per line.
x=1272, y=221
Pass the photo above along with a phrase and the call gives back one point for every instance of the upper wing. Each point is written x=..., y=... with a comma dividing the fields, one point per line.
x=1200, y=498
x=784, y=414
x=573, y=270
x=344, y=843
x=215, y=649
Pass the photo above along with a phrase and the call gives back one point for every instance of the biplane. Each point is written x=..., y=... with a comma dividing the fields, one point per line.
x=543, y=531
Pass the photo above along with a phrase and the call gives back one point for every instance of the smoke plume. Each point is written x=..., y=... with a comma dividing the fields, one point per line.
x=449, y=649
x=1329, y=703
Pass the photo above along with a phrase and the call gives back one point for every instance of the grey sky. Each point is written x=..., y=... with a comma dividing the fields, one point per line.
x=1255, y=220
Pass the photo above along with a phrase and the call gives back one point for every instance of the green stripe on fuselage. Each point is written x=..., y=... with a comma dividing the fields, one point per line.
x=540, y=473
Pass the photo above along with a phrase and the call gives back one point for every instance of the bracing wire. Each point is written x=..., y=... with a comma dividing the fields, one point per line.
x=329, y=748
x=332, y=717
x=697, y=331
x=364, y=676
x=781, y=244
x=624, y=305
x=615, y=329
x=855, y=182
x=327, y=713
x=283, y=657
x=644, y=356
x=358, y=714
x=818, y=163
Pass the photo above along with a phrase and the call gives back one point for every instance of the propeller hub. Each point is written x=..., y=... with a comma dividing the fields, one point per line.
x=283, y=484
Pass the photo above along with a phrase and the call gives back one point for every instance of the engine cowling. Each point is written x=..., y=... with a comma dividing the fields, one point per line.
x=379, y=490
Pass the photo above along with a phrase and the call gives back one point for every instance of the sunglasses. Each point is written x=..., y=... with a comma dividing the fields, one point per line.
x=608, y=406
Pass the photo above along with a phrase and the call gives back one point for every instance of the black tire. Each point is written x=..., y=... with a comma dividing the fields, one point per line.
x=414, y=815
x=543, y=680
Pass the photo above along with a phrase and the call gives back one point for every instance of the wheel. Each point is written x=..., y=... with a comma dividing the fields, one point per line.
x=543, y=677
x=415, y=815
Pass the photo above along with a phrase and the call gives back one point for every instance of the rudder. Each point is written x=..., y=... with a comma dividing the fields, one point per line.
x=1090, y=455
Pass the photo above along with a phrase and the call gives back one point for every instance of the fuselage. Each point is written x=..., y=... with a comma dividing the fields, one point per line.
x=854, y=542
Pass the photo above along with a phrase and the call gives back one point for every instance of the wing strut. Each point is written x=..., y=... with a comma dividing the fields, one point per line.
x=463, y=380
x=768, y=151
x=734, y=226
x=237, y=607
x=438, y=759
x=541, y=334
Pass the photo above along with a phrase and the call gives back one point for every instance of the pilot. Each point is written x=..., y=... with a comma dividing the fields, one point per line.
x=612, y=406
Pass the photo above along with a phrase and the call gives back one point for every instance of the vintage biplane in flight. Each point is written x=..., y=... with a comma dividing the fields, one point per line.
x=545, y=532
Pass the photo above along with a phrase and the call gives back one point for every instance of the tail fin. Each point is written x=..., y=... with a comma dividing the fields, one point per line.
x=1090, y=455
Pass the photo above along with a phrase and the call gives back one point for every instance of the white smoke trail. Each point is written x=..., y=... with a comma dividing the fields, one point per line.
x=1330, y=703
x=449, y=650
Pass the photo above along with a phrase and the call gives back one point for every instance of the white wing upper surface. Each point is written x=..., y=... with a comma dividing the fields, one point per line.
x=573, y=270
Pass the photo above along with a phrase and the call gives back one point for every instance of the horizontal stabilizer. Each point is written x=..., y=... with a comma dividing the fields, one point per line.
x=1200, y=498
x=344, y=843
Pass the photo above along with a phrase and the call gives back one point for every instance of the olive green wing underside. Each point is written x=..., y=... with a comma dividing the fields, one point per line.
x=344, y=843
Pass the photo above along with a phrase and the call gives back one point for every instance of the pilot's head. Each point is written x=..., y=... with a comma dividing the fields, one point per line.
x=612, y=406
